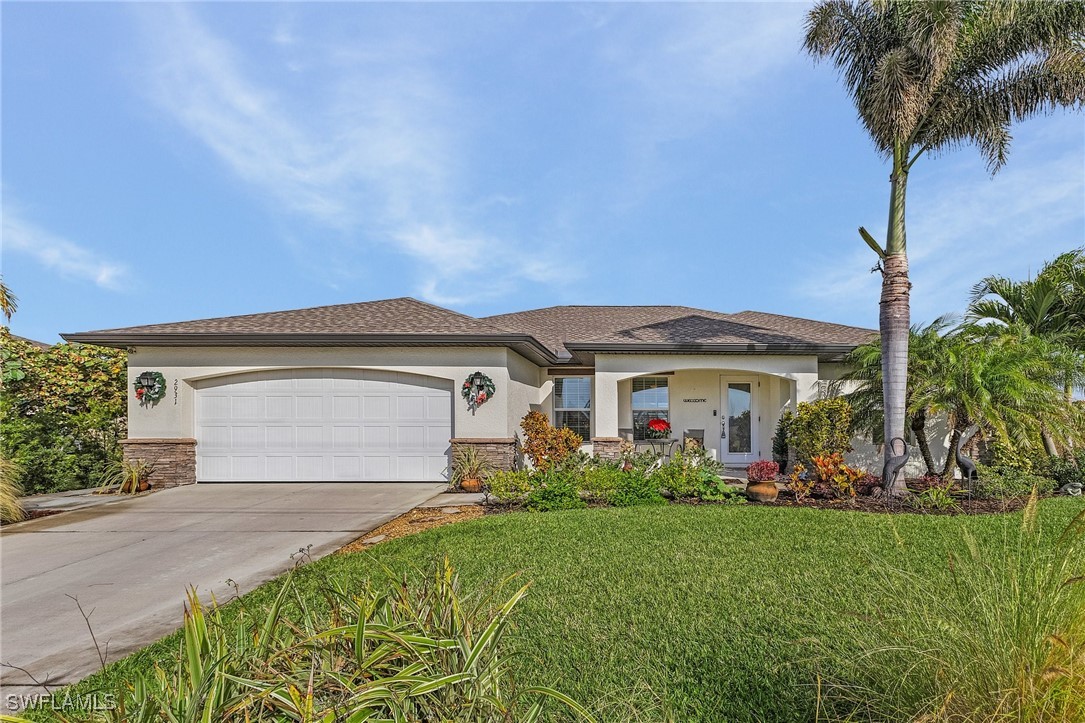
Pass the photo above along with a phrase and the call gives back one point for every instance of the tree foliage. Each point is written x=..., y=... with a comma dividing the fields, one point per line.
x=820, y=427
x=62, y=412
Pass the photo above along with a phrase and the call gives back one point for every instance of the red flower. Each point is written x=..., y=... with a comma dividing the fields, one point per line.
x=481, y=397
x=140, y=392
x=659, y=425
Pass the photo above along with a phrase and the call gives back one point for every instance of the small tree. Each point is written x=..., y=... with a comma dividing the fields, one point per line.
x=545, y=444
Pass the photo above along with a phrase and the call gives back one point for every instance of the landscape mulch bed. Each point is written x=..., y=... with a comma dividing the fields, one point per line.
x=416, y=520
x=33, y=515
x=892, y=505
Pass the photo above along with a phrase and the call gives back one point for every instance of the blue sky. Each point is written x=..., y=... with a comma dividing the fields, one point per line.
x=167, y=162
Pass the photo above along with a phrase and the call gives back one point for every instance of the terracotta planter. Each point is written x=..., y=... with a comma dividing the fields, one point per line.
x=471, y=485
x=762, y=491
x=144, y=485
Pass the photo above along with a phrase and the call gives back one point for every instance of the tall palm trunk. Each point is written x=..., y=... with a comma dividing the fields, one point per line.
x=894, y=318
x=951, y=455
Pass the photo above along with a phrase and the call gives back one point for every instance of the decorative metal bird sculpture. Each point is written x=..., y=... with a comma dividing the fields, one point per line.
x=965, y=463
x=894, y=463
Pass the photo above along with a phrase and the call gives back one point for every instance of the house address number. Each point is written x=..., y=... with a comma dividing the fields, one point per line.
x=695, y=401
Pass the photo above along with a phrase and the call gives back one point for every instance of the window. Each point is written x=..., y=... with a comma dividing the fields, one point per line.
x=650, y=401
x=572, y=404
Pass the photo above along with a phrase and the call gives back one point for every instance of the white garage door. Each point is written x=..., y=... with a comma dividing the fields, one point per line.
x=323, y=424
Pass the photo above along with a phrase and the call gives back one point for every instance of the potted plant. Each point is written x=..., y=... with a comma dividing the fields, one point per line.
x=761, y=485
x=469, y=469
x=658, y=429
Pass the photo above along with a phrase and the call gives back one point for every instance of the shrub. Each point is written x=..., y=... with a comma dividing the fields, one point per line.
x=508, y=486
x=820, y=428
x=599, y=482
x=545, y=444
x=779, y=439
x=801, y=482
x=413, y=647
x=1066, y=470
x=553, y=491
x=1010, y=483
x=840, y=478
x=62, y=412
x=1000, y=638
x=935, y=497
x=763, y=471
x=635, y=489
x=713, y=489
x=688, y=473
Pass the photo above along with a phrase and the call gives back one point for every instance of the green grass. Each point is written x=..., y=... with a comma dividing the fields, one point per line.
x=691, y=613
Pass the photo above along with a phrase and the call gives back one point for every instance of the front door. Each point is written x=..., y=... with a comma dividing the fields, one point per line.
x=738, y=421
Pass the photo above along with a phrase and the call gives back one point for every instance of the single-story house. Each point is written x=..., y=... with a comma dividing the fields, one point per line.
x=387, y=390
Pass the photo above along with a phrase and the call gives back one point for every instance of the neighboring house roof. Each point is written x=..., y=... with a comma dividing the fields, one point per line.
x=551, y=335
x=32, y=342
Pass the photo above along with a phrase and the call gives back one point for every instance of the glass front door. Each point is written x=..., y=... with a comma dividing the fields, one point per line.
x=739, y=421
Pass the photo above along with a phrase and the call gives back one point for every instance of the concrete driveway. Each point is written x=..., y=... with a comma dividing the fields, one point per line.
x=131, y=563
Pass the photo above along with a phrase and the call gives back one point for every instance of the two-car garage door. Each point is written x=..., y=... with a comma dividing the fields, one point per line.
x=323, y=424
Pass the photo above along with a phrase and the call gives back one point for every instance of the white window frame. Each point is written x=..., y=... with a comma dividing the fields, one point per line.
x=583, y=410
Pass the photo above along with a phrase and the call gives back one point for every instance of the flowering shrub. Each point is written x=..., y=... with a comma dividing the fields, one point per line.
x=658, y=428
x=762, y=471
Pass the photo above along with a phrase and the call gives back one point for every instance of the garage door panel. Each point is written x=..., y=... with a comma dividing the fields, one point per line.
x=377, y=408
x=319, y=424
x=279, y=437
x=410, y=408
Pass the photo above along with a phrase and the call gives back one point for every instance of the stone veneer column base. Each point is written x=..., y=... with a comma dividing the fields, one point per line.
x=499, y=451
x=606, y=447
x=174, y=460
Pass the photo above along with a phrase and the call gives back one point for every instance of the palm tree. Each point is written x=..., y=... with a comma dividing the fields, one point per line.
x=1005, y=384
x=9, y=303
x=927, y=77
x=1052, y=305
x=926, y=357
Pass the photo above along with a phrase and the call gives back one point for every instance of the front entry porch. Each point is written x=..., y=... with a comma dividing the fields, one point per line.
x=732, y=405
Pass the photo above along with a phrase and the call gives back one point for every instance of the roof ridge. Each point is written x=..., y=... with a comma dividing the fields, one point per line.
x=802, y=318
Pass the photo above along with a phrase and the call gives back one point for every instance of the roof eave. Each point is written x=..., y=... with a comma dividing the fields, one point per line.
x=824, y=352
x=522, y=343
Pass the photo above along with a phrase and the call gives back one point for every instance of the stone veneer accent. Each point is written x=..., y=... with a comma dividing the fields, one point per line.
x=606, y=447
x=174, y=460
x=498, y=451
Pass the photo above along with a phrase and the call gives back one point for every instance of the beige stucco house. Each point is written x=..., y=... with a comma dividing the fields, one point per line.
x=373, y=390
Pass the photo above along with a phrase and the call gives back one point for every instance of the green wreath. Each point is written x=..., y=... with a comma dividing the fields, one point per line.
x=477, y=389
x=152, y=390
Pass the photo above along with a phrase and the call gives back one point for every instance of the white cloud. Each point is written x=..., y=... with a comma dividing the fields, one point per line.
x=376, y=157
x=67, y=258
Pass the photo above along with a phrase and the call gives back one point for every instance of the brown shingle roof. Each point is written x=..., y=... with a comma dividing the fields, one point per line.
x=390, y=316
x=545, y=335
x=585, y=327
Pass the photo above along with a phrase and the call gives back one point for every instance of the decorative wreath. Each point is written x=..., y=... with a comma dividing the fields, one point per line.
x=477, y=389
x=150, y=387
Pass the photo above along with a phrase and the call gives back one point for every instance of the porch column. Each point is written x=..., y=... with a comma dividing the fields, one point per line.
x=604, y=400
x=604, y=403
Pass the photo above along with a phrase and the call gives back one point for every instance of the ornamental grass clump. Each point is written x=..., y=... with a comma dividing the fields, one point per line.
x=10, y=491
x=413, y=648
x=1000, y=638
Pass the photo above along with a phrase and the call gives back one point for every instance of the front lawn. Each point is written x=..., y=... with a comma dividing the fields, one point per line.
x=691, y=613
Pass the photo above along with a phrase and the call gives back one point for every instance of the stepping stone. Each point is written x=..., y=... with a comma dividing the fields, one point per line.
x=451, y=510
x=373, y=540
